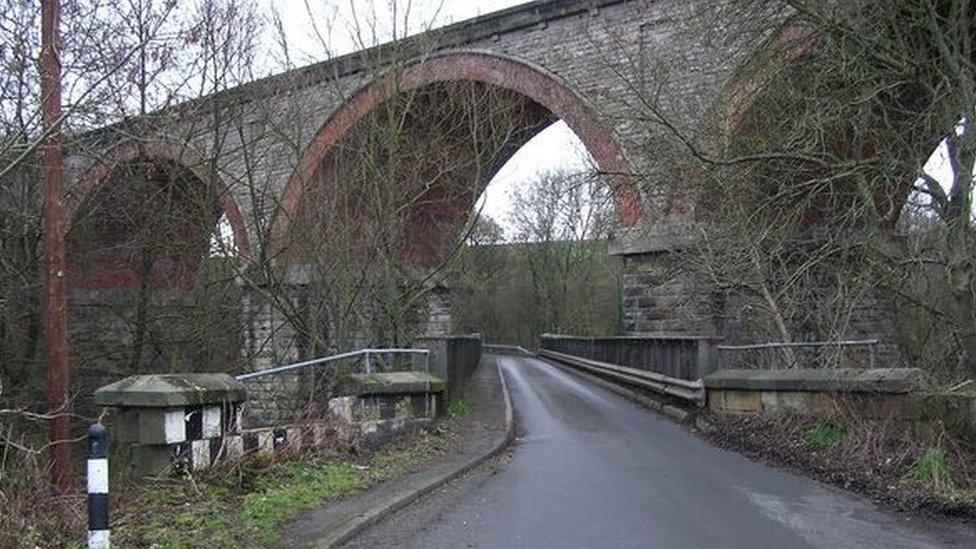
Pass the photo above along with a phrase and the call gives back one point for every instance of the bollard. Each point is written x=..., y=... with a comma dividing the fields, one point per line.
x=98, y=531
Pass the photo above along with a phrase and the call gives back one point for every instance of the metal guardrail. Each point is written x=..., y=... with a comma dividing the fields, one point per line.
x=365, y=354
x=689, y=391
x=294, y=397
x=871, y=344
x=503, y=348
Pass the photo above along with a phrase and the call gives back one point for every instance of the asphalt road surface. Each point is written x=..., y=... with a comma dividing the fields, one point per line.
x=593, y=469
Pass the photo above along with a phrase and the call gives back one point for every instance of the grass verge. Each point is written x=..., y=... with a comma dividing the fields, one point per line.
x=242, y=504
x=823, y=435
x=459, y=407
x=247, y=505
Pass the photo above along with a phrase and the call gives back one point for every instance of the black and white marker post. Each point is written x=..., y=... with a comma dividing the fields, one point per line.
x=98, y=532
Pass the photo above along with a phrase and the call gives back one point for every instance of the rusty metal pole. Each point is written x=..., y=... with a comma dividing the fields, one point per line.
x=55, y=318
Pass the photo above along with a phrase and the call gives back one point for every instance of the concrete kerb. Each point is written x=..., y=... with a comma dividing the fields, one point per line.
x=673, y=412
x=411, y=493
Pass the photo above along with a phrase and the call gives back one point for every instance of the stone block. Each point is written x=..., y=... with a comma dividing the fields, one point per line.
x=735, y=402
x=125, y=426
x=342, y=407
x=377, y=432
x=160, y=426
x=151, y=460
x=878, y=380
x=743, y=402
x=885, y=407
x=294, y=438
x=392, y=383
x=234, y=446
x=211, y=422
x=716, y=401
x=200, y=454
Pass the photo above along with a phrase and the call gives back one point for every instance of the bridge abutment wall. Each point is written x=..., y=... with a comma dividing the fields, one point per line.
x=660, y=295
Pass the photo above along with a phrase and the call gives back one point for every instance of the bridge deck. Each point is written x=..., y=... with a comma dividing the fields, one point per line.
x=592, y=469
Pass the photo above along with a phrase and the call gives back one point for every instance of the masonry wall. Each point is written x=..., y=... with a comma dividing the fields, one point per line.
x=603, y=51
x=181, y=335
x=659, y=297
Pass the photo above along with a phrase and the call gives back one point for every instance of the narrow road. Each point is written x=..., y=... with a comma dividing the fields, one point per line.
x=592, y=469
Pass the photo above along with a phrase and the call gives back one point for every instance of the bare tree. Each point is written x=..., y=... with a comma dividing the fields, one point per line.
x=803, y=171
x=556, y=274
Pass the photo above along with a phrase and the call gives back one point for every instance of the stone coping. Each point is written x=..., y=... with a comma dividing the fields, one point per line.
x=391, y=383
x=449, y=337
x=171, y=390
x=648, y=336
x=878, y=380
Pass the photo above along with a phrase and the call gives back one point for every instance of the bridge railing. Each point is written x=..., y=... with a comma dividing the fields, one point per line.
x=676, y=356
x=291, y=391
x=369, y=358
x=505, y=349
x=770, y=355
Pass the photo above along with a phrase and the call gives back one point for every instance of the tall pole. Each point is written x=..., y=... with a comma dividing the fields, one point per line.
x=55, y=318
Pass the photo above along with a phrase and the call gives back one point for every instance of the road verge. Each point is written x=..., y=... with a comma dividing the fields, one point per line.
x=338, y=522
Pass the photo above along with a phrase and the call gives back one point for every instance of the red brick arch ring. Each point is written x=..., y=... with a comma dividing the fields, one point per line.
x=534, y=82
x=158, y=150
x=790, y=43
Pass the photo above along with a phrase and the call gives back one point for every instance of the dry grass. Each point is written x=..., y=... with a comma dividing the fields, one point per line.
x=236, y=504
x=891, y=463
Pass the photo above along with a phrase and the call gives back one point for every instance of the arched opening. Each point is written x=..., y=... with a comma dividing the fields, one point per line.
x=555, y=150
x=825, y=144
x=391, y=180
x=148, y=195
x=483, y=74
x=153, y=244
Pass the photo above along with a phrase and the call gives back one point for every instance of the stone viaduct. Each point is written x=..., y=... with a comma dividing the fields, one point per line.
x=262, y=148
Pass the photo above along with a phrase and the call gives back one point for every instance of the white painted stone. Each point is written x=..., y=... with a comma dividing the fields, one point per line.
x=98, y=539
x=210, y=422
x=200, y=454
x=174, y=426
x=98, y=476
x=239, y=419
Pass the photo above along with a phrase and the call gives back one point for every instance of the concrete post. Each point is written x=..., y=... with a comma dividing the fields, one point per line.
x=707, y=361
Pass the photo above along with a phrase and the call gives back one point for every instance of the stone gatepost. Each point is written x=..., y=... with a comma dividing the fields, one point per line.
x=173, y=422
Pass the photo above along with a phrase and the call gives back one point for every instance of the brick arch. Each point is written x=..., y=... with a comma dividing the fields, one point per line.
x=157, y=150
x=746, y=86
x=743, y=95
x=504, y=72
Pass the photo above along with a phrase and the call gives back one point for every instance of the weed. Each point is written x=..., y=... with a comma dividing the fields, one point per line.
x=460, y=408
x=382, y=461
x=933, y=469
x=823, y=436
x=32, y=512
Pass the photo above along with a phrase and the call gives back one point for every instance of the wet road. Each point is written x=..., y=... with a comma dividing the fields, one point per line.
x=592, y=469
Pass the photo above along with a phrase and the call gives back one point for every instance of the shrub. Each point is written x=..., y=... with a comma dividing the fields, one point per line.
x=933, y=469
